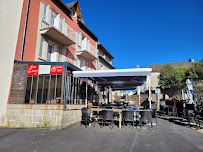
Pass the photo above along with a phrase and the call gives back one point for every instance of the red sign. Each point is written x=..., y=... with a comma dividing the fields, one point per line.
x=32, y=69
x=56, y=69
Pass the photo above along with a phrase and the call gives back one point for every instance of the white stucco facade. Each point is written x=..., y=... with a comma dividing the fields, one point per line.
x=155, y=80
x=9, y=23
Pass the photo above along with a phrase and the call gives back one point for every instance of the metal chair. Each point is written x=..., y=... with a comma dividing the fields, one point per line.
x=107, y=117
x=190, y=113
x=146, y=116
x=154, y=115
x=163, y=108
x=127, y=116
x=199, y=119
x=86, y=117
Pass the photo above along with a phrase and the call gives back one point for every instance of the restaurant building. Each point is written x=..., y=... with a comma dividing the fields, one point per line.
x=52, y=41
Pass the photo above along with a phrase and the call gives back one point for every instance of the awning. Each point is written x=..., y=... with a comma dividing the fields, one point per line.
x=117, y=79
x=69, y=66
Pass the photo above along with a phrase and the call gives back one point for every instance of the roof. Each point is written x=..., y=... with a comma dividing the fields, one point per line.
x=117, y=79
x=114, y=72
x=156, y=67
x=71, y=4
x=104, y=50
x=87, y=30
x=66, y=7
x=75, y=7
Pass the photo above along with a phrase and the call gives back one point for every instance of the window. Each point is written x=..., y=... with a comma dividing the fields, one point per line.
x=63, y=25
x=60, y=54
x=44, y=89
x=101, y=53
x=108, y=59
x=43, y=48
x=79, y=38
x=46, y=12
x=55, y=19
x=49, y=52
x=102, y=67
x=84, y=42
x=82, y=64
x=41, y=45
x=31, y=89
x=88, y=65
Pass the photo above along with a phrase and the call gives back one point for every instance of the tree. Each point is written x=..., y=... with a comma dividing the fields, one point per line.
x=171, y=80
x=196, y=71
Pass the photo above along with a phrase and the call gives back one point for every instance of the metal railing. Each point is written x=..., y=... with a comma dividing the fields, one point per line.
x=104, y=56
x=93, y=50
x=88, y=47
x=55, y=21
x=108, y=59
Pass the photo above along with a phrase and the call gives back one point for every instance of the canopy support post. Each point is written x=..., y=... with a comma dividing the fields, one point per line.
x=150, y=98
x=86, y=93
x=138, y=91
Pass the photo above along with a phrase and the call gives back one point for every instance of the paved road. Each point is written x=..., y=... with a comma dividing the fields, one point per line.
x=168, y=137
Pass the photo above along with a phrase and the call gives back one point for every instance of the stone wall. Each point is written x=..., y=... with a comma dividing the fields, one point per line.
x=33, y=115
x=134, y=99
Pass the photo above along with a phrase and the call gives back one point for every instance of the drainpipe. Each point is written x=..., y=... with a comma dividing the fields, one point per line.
x=24, y=32
x=65, y=83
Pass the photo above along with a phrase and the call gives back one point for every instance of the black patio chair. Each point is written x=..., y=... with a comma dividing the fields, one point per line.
x=146, y=117
x=127, y=116
x=86, y=117
x=163, y=108
x=154, y=116
x=199, y=119
x=107, y=118
x=190, y=113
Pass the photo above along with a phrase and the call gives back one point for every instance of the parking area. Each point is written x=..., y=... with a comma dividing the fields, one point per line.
x=167, y=137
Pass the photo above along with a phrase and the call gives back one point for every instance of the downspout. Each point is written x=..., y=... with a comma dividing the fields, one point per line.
x=24, y=32
x=64, y=95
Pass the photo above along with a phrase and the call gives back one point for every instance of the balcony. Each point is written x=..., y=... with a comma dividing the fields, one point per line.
x=58, y=30
x=87, y=51
x=105, y=58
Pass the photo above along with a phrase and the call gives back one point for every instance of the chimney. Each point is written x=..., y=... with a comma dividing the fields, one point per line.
x=137, y=66
x=82, y=20
x=191, y=60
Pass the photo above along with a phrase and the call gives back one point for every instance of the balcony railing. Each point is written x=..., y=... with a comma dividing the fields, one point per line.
x=104, y=57
x=86, y=46
x=107, y=59
x=93, y=50
x=87, y=51
x=55, y=21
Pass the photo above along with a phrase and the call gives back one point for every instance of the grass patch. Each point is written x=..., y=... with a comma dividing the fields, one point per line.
x=45, y=125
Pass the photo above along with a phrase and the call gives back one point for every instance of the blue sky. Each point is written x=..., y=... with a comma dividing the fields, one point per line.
x=146, y=31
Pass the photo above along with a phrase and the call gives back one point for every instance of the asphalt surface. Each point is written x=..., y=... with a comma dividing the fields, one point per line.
x=167, y=137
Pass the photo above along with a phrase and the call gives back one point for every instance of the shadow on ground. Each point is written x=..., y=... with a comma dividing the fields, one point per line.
x=181, y=122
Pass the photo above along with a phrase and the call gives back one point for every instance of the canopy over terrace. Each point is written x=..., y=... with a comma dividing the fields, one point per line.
x=119, y=79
